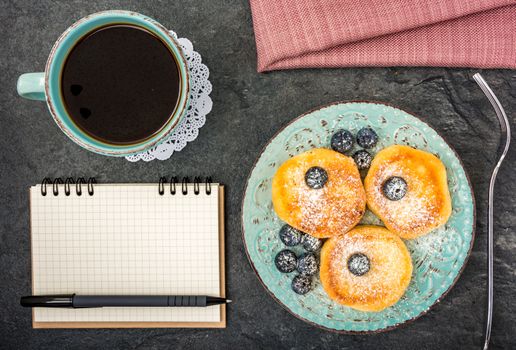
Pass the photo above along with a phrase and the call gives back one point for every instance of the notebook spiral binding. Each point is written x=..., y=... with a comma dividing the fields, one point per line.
x=67, y=185
x=173, y=185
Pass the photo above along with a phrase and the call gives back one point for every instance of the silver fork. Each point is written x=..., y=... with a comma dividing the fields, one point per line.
x=502, y=151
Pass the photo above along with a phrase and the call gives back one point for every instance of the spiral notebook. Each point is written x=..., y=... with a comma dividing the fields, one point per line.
x=122, y=239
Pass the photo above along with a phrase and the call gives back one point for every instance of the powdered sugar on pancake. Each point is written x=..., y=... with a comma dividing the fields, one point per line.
x=336, y=207
x=388, y=275
x=416, y=209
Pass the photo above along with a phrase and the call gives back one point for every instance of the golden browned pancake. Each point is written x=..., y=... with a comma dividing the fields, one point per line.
x=333, y=209
x=426, y=204
x=368, y=268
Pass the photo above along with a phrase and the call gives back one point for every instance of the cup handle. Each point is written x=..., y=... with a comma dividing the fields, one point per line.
x=32, y=86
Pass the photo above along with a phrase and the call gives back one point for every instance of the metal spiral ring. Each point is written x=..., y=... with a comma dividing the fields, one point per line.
x=68, y=181
x=46, y=181
x=208, y=185
x=161, y=185
x=196, y=185
x=55, y=185
x=78, y=185
x=184, y=186
x=91, y=181
x=173, y=181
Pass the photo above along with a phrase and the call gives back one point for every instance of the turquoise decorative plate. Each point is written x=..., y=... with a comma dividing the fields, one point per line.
x=438, y=257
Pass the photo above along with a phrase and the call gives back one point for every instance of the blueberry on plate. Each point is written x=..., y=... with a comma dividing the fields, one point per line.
x=367, y=138
x=394, y=188
x=359, y=264
x=362, y=159
x=302, y=284
x=316, y=177
x=311, y=243
x=286, y=261
x=342, y=141
x=290, y=236
x=307, y=264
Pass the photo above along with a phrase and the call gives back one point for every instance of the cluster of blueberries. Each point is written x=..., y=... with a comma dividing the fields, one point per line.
x=342, y=141
x=306, y=264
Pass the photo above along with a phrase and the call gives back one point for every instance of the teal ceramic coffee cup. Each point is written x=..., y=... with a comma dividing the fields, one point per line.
x=46, y=86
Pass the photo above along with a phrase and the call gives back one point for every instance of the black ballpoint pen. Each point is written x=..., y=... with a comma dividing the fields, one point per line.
x=83, y=301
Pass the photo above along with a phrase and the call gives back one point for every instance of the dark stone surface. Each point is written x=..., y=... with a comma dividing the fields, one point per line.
x=248, y=109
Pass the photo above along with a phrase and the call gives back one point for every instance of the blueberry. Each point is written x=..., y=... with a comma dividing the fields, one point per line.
x=311, y=243
x=307, y=264
x=367, y=138
x=358, y=264
x=316, y=177
x=290, y=236
x=362, y=159
x=394, y=188
x=302, y=284
x=342, y=141
x=286, y=261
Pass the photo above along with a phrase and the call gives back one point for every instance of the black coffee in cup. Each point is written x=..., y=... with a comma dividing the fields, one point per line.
x=120, y=84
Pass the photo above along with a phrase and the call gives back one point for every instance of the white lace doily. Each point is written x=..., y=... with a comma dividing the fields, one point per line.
x=200, y=106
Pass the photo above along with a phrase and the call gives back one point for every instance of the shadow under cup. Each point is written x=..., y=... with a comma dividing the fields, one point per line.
x=70, y=39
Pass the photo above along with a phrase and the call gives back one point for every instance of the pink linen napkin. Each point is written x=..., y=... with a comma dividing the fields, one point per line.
x=344, y=33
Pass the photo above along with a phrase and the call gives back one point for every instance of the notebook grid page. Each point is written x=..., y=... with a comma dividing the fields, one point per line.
x=126, y=239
